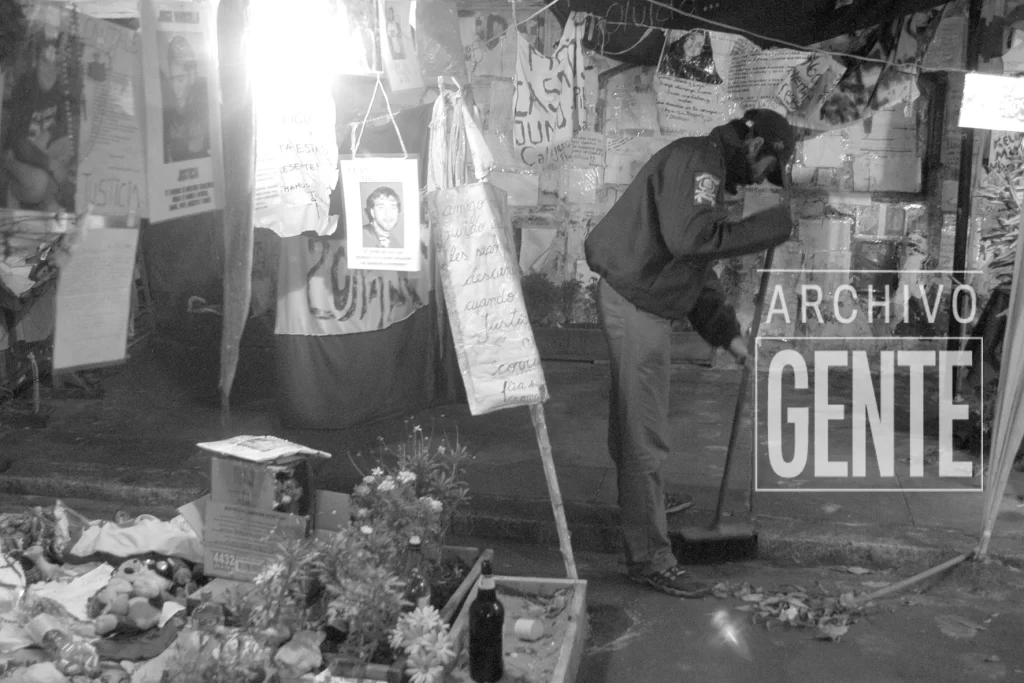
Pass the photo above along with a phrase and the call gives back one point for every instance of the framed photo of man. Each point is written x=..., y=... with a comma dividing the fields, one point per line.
x=382, y=212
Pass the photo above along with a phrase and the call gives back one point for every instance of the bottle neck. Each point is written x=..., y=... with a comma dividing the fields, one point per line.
x=487, y=583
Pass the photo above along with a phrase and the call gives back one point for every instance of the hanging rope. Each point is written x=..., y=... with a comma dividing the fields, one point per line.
x=378, y=85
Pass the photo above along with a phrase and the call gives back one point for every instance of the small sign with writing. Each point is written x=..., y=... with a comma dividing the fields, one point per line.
x=992, y=102
x=497, y=354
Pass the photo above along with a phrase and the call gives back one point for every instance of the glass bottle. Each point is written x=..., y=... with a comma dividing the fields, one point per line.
x=417, y=588
x=486, y=624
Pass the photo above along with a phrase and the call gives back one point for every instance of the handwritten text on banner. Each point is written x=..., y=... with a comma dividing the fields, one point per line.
x=497, y=354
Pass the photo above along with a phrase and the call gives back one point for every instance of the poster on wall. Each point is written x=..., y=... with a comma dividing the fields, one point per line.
x=183, y=146
x=94, y=291
x=72, y=137
x=992, y=102
x=401, y=62
x=319, y=294
x=381, y=194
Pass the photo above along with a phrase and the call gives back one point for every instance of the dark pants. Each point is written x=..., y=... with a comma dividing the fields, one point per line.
x=639, y=344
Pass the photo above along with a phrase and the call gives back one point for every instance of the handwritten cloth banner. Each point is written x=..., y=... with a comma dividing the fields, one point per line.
x=319, y=294
x=546, y=102
x=494, y=342
x=184, y=164
x=296, y=163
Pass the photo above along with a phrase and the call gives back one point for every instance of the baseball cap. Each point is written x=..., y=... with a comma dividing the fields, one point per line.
x=778, y=138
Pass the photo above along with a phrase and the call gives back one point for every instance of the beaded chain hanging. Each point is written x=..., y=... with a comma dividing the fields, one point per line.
x=71, y=70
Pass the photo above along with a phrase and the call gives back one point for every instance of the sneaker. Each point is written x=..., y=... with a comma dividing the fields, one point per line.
x=677, y=502
x=674, y=582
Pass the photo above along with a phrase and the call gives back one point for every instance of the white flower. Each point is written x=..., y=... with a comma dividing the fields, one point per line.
x=269, y=573
x=434, y=504
x=362, y=490
x=386, y=485
x=361, y=512
x=423, y=668
x=406, y=477
x=368, y=479
x=366, y=529
x=377, y=472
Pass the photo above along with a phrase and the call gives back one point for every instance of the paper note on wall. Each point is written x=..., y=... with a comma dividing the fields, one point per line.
x=754, y=77
x=688, y=106
x=757, y=199
x=493, y=338
x=824, y=151
x=885, y=158
x=94, y=299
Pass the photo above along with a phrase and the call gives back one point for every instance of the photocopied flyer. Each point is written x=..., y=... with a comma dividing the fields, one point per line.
x=183, y=144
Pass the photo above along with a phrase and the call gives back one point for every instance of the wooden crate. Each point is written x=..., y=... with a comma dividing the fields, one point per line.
x=394, y=673
x=575, y=638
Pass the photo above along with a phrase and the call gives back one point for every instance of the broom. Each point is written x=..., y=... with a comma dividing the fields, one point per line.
x=735, y=540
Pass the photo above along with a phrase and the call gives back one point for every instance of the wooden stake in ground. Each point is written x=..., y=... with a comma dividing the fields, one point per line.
x=540, y=426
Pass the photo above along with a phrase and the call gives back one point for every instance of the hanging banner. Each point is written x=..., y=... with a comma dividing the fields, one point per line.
x=546, y=98
x=72, y=136
x=94, y=291
x=401, y=62
x=993, y=102
x=296, y=163
x=319, y=294
x=182, y=87
x=382, y=195
x=493, y=338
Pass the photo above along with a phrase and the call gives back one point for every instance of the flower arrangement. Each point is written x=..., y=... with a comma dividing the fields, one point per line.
x=425, y=639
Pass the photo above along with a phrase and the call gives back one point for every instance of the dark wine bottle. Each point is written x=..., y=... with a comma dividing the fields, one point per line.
x=417, y=588
x=486, y=623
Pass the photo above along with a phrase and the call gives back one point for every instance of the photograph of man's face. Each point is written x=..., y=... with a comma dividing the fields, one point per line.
x=383, y=211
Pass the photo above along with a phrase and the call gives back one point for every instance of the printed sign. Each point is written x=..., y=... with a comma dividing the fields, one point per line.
x=497, y=354
x=182, y=86
x=993, y=102
x=382, y=195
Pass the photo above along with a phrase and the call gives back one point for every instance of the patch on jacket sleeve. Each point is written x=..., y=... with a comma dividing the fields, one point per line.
x=705, y=189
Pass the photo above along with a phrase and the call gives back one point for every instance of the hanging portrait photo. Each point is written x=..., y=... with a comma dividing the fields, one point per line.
x=185, y=96
x=382, y=213
x=688, y=55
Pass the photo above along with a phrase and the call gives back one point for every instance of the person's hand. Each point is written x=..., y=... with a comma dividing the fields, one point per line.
x=738, y=349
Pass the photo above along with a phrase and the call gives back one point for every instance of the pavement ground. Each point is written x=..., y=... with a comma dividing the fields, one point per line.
x=136, y=446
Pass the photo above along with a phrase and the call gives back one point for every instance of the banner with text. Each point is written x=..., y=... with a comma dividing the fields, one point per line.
x=296, y=163
x=497, y=354
x=546, y=101
x=183, y=144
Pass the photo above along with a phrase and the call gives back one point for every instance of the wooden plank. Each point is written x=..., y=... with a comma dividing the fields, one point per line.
x=451, y=608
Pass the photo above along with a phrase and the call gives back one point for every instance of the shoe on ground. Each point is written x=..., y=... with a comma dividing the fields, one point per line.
x=675, y=582
x=677, y=502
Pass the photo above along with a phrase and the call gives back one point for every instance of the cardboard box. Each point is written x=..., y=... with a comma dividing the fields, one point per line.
x=261, y=493
x=238, y=542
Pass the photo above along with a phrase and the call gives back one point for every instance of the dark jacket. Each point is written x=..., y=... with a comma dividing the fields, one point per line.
x=657, y=245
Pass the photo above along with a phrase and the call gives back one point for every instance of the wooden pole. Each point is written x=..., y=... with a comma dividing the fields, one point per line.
x=540, y=426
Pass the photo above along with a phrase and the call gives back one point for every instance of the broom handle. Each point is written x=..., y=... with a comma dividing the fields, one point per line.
x=741, y=397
